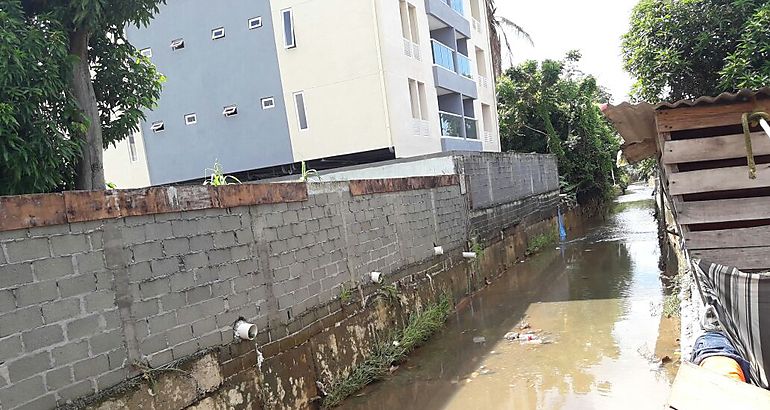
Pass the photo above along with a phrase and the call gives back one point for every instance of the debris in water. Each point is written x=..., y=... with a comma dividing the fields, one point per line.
x=524, y=325
x=479, y=339
x=511, y=336
x=393, y=369
x=474, y=375
x=396, y=343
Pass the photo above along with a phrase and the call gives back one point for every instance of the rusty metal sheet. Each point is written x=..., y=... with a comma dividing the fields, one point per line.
x=85, y=206
x=189, y=198
x=230, y=196
x=378, y=186
x=27, y=211
x=724, y=98
x=636, y=124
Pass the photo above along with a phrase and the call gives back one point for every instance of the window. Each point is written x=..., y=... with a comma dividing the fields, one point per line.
x=288, y=28
x=177, y=44
x=268, y=103
x=147, y=52
x=191, y=119
x=299, y=102
x=423, y=100
x=132, y=148
x=418, y=99
x=255, y=22
x=218, y=33
x=230, y=111
x=158, y=126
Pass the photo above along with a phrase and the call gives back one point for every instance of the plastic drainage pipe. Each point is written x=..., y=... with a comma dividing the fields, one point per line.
x=245, y=330
x=438, y=250
x=469, y=255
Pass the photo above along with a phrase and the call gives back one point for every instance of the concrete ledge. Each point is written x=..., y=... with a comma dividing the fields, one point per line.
x=378, y=186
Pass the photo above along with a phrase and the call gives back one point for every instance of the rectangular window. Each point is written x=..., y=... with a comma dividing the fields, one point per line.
x=158, y=126
x=423, y=100
x=268, y=103
x=147, y=52
x=288, y=28
x=415, y=31
x=230, y=111
x=404, y=10
x=299, y=102
x=132, y=148
x=191, y=119
x=177, y=44
x=414, y=99
x=255, y=22
x=218, y=33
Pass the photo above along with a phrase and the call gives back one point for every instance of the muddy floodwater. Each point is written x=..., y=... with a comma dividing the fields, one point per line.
x=595, y=299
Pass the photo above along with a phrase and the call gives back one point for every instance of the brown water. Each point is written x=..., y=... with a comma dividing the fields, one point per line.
x=597, y=297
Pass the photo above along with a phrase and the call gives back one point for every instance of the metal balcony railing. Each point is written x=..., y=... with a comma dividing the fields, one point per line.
x=464, y=66
x=457, y=5
x=451, y=124
x=443, y=56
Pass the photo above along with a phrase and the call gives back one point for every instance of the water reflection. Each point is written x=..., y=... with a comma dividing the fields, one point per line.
x=592, y=297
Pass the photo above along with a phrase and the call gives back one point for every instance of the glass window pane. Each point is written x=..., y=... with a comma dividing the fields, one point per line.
x=299, y=100
x=288, y=28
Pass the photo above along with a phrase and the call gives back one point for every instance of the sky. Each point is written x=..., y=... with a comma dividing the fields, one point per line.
x=592, y=26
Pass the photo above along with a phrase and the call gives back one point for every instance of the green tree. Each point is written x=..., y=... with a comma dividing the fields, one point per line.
x=553, y=108
x=499, y=27
x=688, y=48
x=36, y=115
x=104, y=75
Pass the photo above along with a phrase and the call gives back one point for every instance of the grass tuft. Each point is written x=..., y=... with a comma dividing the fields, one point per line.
x=384, y=354
x=541, y=241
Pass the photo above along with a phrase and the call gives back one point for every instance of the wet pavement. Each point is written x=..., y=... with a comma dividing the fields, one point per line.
x=595, y=299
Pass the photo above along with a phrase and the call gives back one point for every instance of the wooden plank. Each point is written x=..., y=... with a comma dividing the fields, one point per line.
x=705, y=116
x=27, y=211
x=720, y=179
x=699, y=389
x=724, y=210
x=756, y=258
x=729, y=238
x=714, y=148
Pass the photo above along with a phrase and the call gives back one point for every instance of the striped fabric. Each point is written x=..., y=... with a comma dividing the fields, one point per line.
x=742, y=304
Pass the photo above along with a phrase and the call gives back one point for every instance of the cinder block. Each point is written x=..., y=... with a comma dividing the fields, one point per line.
x=185, y=349
x=91, y=367
x=133, y=235
x=76, y=390
x=224, y=239
x=240, y=253
x=28, y=249
x=147, y=251
x=28, y=366
x=230, y=222
x=69, y=244
x=185, y=228
x=10, y=348
x=41, y=337
x=219, y=256
x=181, y=281
x=111, y=378
x=20, y=319
x=204, y=326
x=70, y=353
x=90, y=262
x=161, y=358
x=161, y=323
x=179, y=334
x=34, y=293
x=86, y=326
x=198, y=294
x=12, y=275
x=61, y=309
x=247, y=267
x=53, y=268
x=154, y=288
x=244, y=236
x=58, y=378
x=7, y=301
x=158, y=231
x=139, y=272
x=99, y=301
x=195, y=260
x=22, y=392
x=165, y=267
x=77, y=285
x=145, y=308
x=176, y=246
x=107, y=341
x=153, y=344
x=173, y=300
x=117, y=358
x=201, y=243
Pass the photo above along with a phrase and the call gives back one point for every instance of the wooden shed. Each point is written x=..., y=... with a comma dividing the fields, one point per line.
x=721, y=205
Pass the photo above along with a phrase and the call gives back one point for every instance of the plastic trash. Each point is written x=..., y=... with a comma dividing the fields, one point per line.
x=511, y=336
x=479, y=339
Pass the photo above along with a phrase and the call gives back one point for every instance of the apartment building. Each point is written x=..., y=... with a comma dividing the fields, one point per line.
x=258, y=84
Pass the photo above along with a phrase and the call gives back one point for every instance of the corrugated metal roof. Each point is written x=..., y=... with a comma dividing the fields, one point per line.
x=724, y=98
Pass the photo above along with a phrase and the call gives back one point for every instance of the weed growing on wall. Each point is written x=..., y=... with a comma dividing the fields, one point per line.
x=541, y=241
x=392, y=350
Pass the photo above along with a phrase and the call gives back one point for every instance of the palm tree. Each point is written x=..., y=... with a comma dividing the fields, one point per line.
x=497, y=30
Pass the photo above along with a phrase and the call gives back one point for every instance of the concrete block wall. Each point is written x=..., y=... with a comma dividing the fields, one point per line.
x=82, y=302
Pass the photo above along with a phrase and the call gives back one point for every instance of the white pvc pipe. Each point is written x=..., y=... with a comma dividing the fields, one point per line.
x=469, y=255
x=438, y=250
x=376, y=277
x=765, y=126
x=245, y=330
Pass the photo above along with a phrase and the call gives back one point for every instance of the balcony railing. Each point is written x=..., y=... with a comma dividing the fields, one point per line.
x=407, y=47
x=443, y=56
x=451, y=124
x=412, y=50
x=464, y=66
x=457, y=5
x=416, y=52
x=471, y=129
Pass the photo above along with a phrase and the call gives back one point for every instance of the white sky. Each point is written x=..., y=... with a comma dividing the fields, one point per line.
x=592, y=26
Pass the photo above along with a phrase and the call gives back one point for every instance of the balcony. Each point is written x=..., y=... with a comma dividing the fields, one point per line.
x=448, y=13
x=451, y=125
x=471, y=129
x=452, y=71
